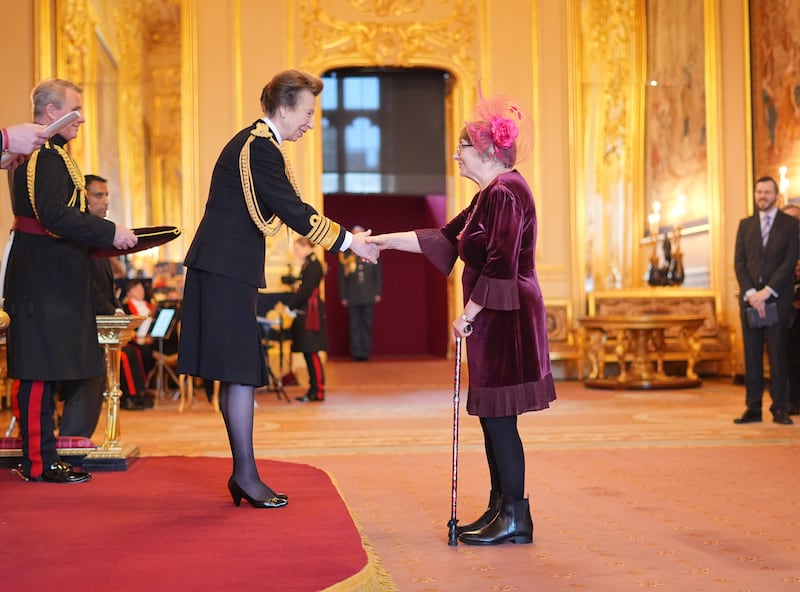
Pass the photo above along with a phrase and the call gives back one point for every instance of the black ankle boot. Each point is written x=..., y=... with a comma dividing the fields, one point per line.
x=513, y=523
x=488, y=515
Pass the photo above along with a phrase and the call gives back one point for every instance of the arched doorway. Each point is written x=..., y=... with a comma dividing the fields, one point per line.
x=384, y=168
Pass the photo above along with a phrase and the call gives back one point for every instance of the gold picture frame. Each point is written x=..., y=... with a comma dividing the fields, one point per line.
x=775, y=93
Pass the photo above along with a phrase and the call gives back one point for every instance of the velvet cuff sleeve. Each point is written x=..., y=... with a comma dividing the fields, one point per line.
x=437, y=249
x=495, y=293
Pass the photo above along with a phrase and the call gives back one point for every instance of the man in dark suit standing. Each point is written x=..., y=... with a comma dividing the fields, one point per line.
x=764, y=260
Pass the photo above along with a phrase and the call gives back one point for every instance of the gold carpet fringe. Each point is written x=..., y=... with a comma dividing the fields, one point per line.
x=374, y=577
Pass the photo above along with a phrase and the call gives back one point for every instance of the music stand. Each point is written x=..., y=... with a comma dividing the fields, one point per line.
x=276, y=382
x=161, y=329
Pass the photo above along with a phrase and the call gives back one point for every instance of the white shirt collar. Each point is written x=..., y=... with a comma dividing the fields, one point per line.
x=770, y=212
x=273, y=128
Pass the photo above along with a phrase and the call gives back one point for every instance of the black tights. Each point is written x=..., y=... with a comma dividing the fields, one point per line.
x=505, y=455
x=236, y=404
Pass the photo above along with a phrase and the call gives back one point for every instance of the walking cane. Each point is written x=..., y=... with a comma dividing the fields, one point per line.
x=453, y=537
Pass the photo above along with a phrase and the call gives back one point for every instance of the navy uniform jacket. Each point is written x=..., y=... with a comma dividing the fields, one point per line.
x=48, y=289
x=228, y=242
x=773, y=265
x=363, y=284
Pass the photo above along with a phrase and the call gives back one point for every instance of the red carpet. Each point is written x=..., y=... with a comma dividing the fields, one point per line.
x=169, y=524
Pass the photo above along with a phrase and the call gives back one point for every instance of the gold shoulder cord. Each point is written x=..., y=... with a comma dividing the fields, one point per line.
x=324, y=232
x=79, y=193
x=272, y=226
x=78, y=198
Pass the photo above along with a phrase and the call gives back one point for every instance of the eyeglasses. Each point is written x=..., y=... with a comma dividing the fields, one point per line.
x=461, y=147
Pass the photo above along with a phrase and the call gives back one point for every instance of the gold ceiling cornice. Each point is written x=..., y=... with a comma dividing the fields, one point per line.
x=334, y=39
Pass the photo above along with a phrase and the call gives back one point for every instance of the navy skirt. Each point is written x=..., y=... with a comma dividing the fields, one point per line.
x=220, y=337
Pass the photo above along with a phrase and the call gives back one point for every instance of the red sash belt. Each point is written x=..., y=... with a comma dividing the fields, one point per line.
x=312, y=311
x=29, y=226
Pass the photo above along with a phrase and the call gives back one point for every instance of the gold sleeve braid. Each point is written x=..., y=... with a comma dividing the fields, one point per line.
x=78, y=197
x=324, y=231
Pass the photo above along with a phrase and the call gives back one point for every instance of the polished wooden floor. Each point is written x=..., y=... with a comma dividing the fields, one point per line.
x=605, y=469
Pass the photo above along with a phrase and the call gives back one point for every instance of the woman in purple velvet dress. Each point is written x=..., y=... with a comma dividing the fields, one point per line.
x=504, y=314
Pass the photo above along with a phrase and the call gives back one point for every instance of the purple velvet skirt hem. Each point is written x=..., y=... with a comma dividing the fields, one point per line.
x=510, y=400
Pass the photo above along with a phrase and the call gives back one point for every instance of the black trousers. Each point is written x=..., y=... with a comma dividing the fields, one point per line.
x=360, y=321
x=132, y=379
x=83, y=402
x=316, y=376
x=793, y=363
x=775, y=338
x=36, y=408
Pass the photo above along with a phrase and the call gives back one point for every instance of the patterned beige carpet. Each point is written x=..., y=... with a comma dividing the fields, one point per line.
x=629, y=489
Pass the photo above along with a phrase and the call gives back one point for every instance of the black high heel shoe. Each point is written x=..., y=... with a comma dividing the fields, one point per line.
x=278, y=495
x=237, y=493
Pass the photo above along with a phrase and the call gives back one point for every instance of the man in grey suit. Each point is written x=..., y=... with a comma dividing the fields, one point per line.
x=764, y=260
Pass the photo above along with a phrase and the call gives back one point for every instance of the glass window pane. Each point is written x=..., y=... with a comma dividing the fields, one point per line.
x=386, y=133
x=330, y=183
x=362, y=183
x=361, y=93
x=362, y=140
x=330, y=93
x=330, y=137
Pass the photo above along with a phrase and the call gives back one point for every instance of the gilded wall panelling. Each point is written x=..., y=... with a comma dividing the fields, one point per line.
x=102, y=45
x=611, y=114
x=605, y=51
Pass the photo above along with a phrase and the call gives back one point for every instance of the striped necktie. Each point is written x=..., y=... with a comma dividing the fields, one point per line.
x=765, y=229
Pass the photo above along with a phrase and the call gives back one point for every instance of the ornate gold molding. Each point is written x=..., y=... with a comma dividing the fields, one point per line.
x=384, y=8
x=334, y=40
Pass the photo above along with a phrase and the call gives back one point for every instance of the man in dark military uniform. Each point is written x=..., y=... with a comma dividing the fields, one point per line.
x=359, y=290
x=48, y=290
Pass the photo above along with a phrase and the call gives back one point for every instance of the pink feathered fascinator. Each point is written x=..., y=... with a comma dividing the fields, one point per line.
x=500, y=123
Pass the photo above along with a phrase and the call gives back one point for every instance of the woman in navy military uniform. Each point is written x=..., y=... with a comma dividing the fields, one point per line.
x=253, y=193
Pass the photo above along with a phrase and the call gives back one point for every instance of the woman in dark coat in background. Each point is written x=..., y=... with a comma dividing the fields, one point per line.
x=309, y=329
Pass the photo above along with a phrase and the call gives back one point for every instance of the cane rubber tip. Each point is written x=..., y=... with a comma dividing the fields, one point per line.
x=452, y=539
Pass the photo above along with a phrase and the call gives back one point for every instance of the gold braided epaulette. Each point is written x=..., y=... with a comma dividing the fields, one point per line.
x=78, y=197
x=269, y=227
x=324, y=231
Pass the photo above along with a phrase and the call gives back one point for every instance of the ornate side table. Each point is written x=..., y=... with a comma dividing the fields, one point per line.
x=632, y=335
